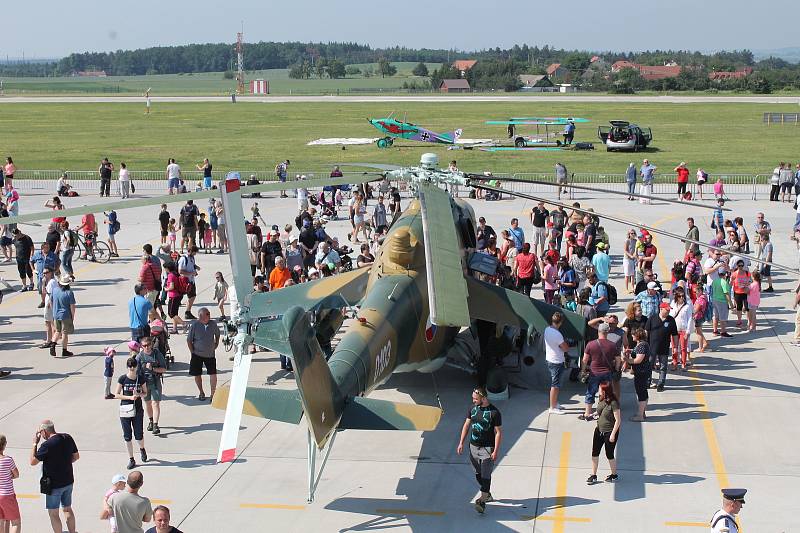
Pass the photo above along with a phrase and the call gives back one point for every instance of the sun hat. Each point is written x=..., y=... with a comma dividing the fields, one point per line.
x=119, y=478
x=64, y=280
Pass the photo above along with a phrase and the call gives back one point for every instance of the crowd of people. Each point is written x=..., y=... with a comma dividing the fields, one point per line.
x=568, y=258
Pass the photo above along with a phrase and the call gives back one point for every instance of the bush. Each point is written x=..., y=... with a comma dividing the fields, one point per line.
x=227, y=75
x=350, y=70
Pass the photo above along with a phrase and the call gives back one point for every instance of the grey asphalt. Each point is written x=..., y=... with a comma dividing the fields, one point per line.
x=730, y=421
x=666, y=99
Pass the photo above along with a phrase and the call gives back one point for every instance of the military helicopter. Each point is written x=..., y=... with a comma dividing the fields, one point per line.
x=412, y=304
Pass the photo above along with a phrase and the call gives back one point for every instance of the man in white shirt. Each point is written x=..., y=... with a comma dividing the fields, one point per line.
x=302, y=195
x=554, y=347
x=173, y=177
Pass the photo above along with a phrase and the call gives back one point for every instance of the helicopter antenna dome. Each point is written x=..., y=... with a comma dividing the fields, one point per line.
x=429, y=161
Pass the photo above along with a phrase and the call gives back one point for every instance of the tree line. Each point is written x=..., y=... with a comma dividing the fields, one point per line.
x=497, y=68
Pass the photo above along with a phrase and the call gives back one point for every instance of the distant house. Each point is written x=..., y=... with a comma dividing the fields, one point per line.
x=555, y=70
x=657, y=72
x=536, y=83
x=594, y=59
x=567, y=88
x=454, y=86
x=463, y=65
x=737, y=74
x=649, y=72
x=92, y=73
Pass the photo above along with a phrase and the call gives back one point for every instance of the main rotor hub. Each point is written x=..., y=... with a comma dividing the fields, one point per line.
x=429, y=161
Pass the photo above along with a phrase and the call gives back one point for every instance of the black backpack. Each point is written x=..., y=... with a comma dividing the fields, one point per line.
x=187, y=217
x=611, y=291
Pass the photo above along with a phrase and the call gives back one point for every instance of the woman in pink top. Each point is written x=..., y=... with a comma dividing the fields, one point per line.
x=550, y=276
x=753, y=300
x=9, y=170
x=719, y=188
x=9, y=508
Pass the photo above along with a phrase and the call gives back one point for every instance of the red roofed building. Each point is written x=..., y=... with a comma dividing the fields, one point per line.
x=463, y=65
x=555, y=70
x=594, y=59
x=619, y=65
x=728, y=75
x=649, y=72
x=454, y=86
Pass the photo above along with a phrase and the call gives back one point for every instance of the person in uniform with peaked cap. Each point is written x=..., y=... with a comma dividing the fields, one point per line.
x=724, y=520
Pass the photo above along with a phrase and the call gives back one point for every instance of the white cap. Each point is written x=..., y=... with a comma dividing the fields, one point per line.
x=652, y=285
x=119, y=478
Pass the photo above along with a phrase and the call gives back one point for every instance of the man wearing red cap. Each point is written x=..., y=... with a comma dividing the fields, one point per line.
x=661, y=329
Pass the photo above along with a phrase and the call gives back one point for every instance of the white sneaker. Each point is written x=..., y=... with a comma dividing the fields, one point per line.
x=556, y=411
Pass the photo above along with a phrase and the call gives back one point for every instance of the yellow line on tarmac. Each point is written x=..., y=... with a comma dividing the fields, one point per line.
x=700, y=398
x=160, y=502
x=561, y=483
x=563, y=519
x=28, y=496
x=273, y=506
x=409, y=512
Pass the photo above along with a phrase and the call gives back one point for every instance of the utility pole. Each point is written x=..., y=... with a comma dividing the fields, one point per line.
x=239, y=62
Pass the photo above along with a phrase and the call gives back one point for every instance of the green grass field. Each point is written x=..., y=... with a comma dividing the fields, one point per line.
x=254, y=136
x=208, y=83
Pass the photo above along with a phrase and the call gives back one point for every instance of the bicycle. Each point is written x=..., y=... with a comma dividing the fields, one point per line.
x=100, y=251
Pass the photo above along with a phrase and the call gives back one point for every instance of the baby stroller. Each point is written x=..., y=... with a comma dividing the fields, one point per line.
x=158, y=330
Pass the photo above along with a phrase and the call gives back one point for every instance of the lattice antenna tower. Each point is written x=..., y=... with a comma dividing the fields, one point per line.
x=239, y=63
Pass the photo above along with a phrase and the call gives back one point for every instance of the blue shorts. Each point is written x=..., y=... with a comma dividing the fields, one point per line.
x=556, y=371
x=282, y=178
x=173, y=183
x=59, y=497
x=206, y=182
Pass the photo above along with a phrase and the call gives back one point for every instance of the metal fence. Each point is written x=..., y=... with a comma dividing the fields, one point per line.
x=740, y=185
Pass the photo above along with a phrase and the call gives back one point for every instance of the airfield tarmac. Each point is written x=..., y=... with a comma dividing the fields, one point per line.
x=479, y=98
x=727, y=422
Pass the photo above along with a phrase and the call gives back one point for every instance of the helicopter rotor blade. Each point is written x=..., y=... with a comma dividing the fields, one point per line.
x=634, y=224
x=620, y=193
x=377, y=166
x=272, y=186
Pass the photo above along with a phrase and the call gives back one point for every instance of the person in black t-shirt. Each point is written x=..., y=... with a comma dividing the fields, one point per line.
x=23, y=246
x=57, y=453
x=484, y=425
x=187, y=223
x=131, y=388
x=163, y=221
x=365, y=258
x=661, y=329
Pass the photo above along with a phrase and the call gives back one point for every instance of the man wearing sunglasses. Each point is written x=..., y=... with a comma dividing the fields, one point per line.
x=485, y=427
x=152, y=365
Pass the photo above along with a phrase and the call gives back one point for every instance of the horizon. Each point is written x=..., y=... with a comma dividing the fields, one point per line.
x=680, y=25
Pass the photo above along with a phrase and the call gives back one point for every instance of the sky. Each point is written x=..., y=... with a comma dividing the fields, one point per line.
x=50, y=29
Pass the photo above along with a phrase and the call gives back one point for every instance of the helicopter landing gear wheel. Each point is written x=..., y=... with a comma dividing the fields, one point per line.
x=386, y=142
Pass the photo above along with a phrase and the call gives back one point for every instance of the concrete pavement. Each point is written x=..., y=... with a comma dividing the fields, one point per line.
x=728, y=422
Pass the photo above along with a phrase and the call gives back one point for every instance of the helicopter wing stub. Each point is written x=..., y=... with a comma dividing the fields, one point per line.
x=447, y=290
x=496, y=304
x=372, y=414
x=335, y=292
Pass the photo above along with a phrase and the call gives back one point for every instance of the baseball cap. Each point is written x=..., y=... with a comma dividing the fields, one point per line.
x=652, y=285
x=601, y=246
x=109, y=350
x=298, y=268
x=134, y=346
x=664, y=305
x=119, y=478
x=312, y=271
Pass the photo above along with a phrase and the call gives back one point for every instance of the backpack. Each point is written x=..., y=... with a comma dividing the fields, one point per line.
x=537, y=275
x=115, y=226
x=72, y=239
x=611, y=292
x=187, y=217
